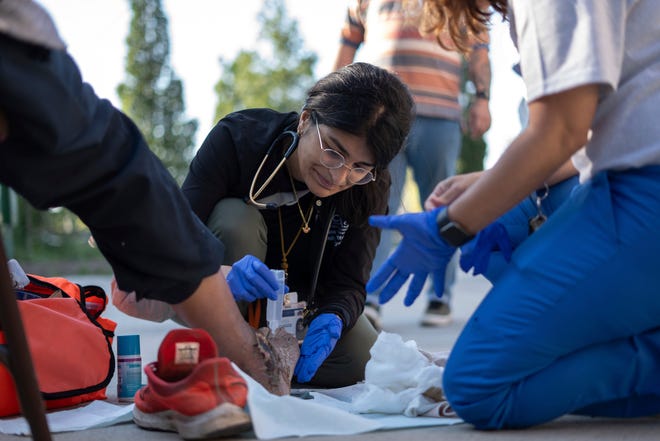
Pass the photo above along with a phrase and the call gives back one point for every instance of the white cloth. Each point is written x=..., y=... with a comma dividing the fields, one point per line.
x=401, y=379
x=397, y=376
x=93, y=415
x=330, y=412
x=272, y=416
x=570, y=43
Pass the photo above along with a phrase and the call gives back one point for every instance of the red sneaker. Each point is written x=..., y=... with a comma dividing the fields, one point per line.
x=192, y=391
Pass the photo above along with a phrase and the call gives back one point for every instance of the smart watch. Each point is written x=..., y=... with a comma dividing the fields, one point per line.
x=450, y=231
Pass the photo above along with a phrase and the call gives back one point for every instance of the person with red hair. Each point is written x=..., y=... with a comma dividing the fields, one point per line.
x=571, y=324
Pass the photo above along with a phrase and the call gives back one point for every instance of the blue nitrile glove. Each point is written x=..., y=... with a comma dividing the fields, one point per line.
x=420, y=252
x=476, y=253
x=250, y=279
x=320, y=340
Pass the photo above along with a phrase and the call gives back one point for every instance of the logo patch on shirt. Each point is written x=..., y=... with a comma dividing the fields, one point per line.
x=338, y=230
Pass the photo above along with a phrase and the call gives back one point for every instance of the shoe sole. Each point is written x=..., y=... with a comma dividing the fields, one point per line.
x=436, y=320
x=225, y=420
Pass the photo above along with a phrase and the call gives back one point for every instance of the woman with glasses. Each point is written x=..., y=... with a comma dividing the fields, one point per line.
x=293, y=192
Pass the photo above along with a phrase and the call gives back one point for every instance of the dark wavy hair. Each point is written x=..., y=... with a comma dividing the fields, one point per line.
x=364, y=100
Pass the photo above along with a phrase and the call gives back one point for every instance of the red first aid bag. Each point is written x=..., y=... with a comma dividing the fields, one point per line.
x=70, y=343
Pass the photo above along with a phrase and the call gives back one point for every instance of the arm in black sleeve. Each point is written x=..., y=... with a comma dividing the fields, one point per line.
x=67, y=147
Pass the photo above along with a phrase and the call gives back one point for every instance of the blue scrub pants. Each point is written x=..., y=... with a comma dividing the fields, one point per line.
x=573, y=324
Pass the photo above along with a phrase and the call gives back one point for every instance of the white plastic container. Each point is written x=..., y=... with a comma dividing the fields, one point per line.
x=274, y=307
x=19, y=279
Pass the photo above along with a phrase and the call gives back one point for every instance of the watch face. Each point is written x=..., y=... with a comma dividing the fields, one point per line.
x=453, y=235
x=450, y=232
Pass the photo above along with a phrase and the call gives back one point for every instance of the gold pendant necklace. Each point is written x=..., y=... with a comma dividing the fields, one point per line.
x=305, y=226
x=285, y=252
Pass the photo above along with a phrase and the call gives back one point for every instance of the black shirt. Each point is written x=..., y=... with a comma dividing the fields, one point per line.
x=225, y=166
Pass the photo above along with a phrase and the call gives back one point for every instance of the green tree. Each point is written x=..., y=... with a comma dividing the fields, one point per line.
x=280, y=80
x=151, y=94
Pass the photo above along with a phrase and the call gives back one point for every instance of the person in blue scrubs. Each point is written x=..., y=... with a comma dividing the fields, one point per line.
x=572, y=322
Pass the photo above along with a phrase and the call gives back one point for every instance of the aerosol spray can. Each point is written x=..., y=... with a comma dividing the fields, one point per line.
x=274, y=307
x=129, y=367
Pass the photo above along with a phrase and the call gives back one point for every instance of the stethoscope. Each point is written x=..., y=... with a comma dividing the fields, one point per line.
x=289, y=151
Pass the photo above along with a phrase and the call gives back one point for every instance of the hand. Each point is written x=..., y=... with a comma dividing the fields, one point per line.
x=476, y=253
x=447, y=190
x=250, y=279
x=320, y=340
x=478, y=119
x=420, y=252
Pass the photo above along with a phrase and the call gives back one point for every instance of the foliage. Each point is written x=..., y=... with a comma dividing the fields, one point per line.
x=40, y=240
x=43, y=240
x=151, y=94
x=279, y=81
x=473, y=151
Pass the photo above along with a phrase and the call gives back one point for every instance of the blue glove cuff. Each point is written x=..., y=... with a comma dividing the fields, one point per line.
x=331, y=322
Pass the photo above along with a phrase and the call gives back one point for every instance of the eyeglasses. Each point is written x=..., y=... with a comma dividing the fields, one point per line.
x=332, y=159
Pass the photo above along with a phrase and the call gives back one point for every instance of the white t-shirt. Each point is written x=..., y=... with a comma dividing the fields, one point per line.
x=616, y=43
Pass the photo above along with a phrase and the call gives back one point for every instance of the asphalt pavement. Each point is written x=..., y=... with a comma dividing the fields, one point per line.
x=396, y=319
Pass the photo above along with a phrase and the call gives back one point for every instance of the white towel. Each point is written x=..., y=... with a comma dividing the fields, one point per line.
x=402, y=379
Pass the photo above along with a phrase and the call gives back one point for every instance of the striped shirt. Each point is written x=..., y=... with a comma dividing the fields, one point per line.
x=387, y=36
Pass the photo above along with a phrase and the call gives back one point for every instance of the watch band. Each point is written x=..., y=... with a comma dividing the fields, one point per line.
x=450, y=231
x=482, y=94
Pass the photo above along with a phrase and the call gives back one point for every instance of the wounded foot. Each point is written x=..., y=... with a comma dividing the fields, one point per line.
x=280, y=352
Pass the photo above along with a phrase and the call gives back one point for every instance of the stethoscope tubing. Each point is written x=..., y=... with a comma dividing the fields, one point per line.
x=252, y=195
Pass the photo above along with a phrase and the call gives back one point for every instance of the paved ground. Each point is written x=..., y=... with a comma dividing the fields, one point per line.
x=403, y=321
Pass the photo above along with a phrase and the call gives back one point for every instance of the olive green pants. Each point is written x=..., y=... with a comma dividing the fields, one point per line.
x=243, y=231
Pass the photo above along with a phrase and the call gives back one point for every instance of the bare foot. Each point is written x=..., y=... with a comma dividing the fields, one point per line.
x=279, y=352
